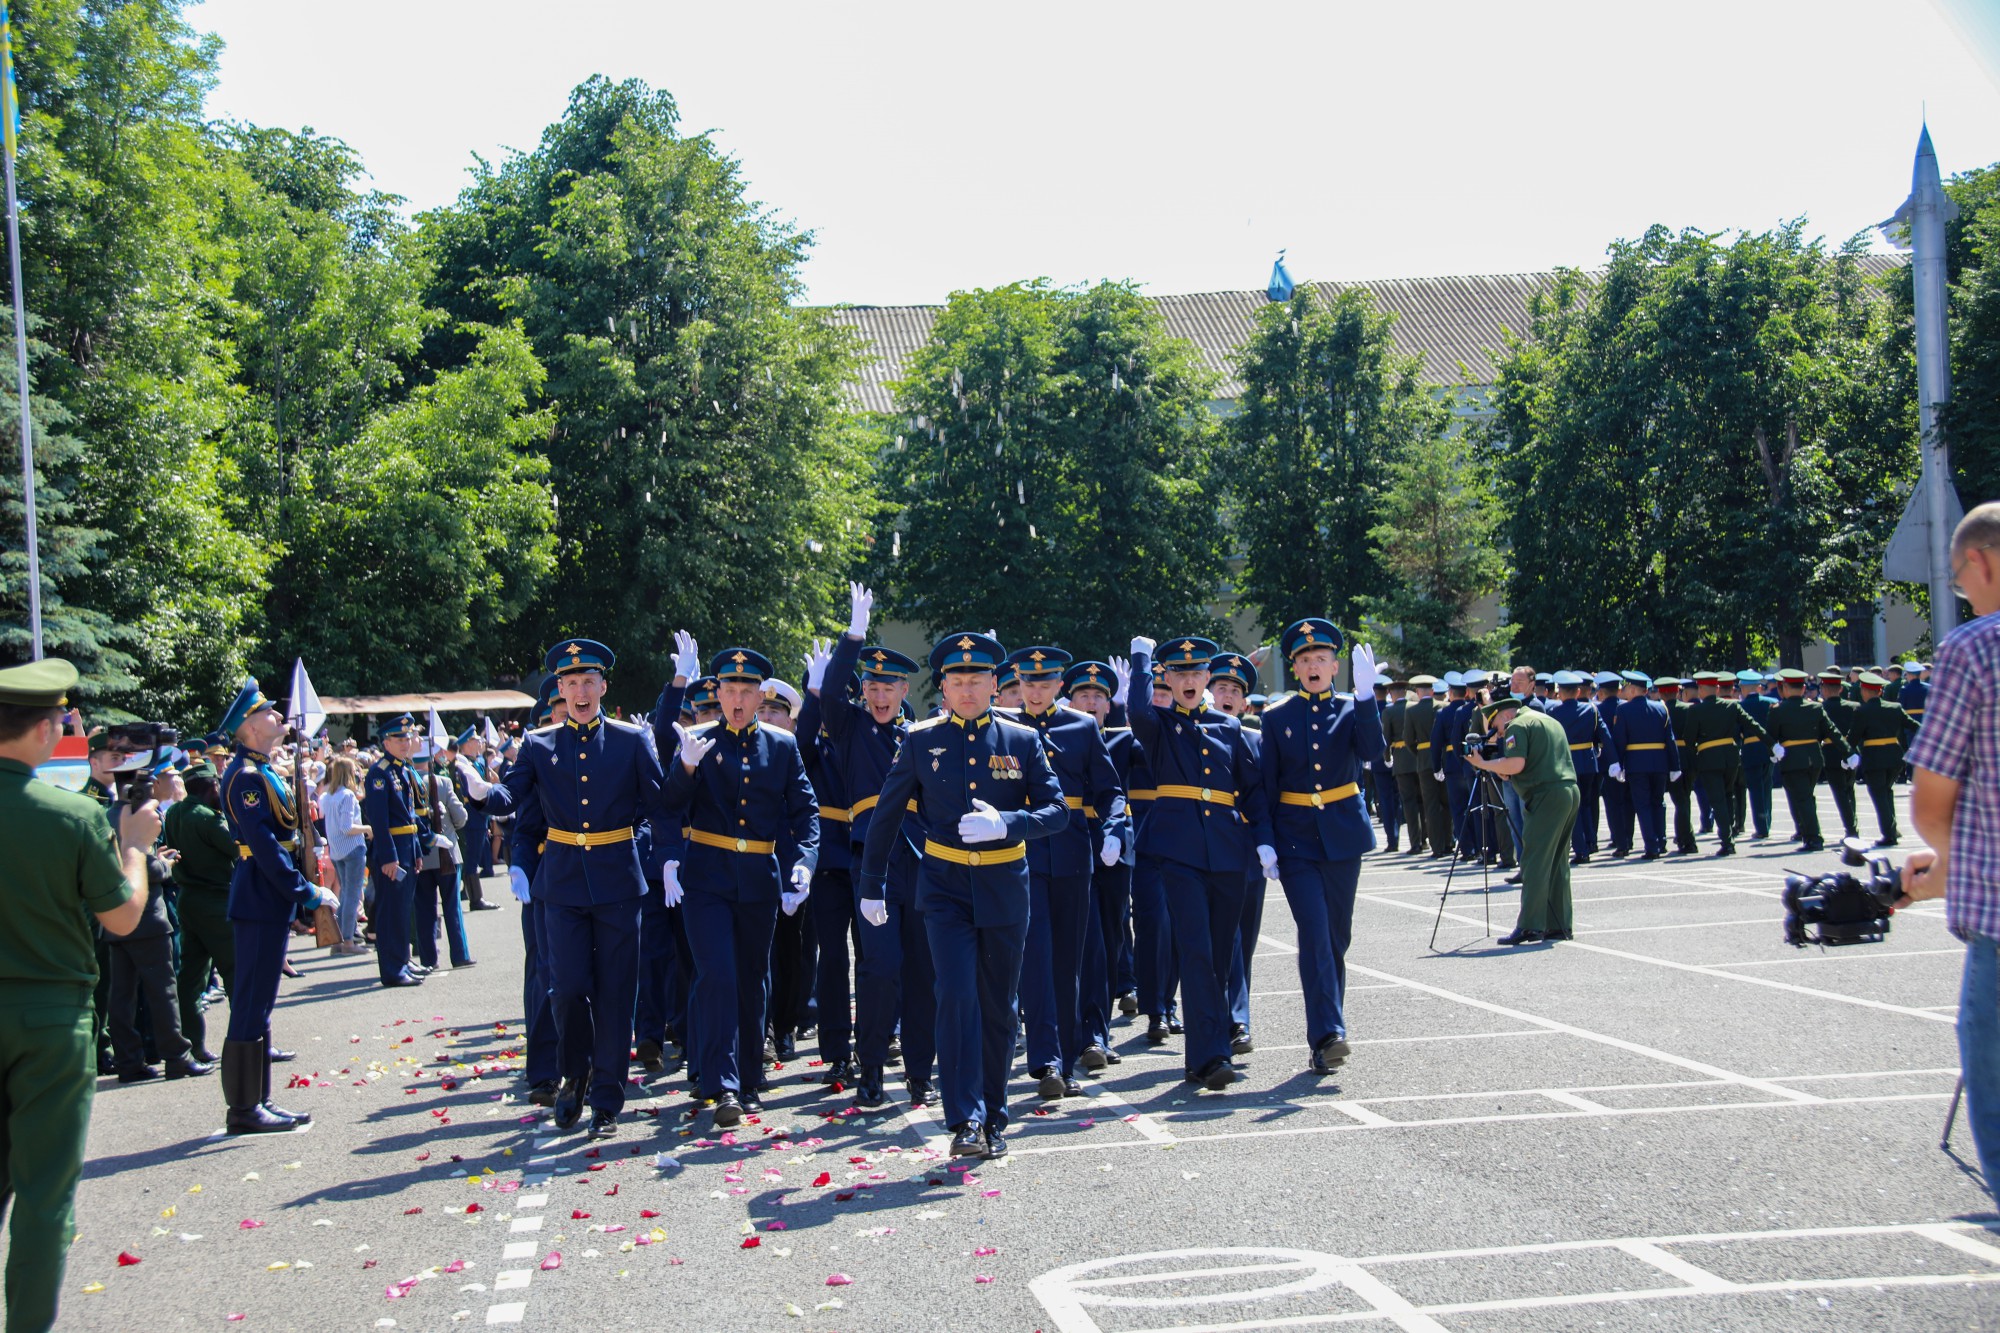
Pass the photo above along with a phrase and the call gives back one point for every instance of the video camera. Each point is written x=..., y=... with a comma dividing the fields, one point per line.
x=143, y=748
x=1483, y=745
x=1839, y=908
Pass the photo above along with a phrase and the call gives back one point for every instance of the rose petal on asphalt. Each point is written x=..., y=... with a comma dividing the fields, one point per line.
x=552, y=1260
x=839, y=1280
x=751, y=1242
x=126, y=1259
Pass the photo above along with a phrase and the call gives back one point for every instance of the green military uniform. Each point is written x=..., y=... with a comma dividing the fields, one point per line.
x=1840, y=711
x=1416, y=737
x=1881, y=731
x=1403, y=772
x=1549, y=800
x=59, y=865
x=200, y=833
x=1809, y=740
x=1680, y=789
x=100, y=996
x=1711, y=746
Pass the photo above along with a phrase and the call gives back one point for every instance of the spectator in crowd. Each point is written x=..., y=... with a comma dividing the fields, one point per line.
x=437, y=881
x=346, y=846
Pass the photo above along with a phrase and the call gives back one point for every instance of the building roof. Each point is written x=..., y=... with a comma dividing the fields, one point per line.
x=1454, y=324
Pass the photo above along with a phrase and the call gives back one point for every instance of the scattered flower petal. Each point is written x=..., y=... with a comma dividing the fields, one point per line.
x=751, y=1242
x=126, y=1259
x=552, y=1260
x=839, y=1280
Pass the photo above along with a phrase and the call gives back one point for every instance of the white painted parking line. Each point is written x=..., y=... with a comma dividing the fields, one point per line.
x=1144, y=1125
x=1276, y=946
x=520, y=1249
x=510, y=1313
x=1763, y=921
x=1570, y=1099
x=1694, y=1275
x=1841, y=955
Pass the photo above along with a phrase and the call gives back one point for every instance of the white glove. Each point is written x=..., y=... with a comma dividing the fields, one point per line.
x=670, y=884
x=517, y=880
x=1268, y=858
x=802, y=877
x=1777, y=751
x=693, y=748
x=1852, y=761
x=475, y=786
x=1365, y=674
x=816, y=661
x=1438, y=776
x=791, y=901
x=875, y=911
x=860, y=602
x=1141, y=644
x=981, y=824
x=1367, y=764
x=1617, y=771
x=1113, y=849
x=1122, y=668
x=687, y=656
x=321, y=897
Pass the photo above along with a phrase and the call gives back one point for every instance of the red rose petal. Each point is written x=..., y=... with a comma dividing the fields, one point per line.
x=126, y=1259
x=751, y=1242
x=823, y=1178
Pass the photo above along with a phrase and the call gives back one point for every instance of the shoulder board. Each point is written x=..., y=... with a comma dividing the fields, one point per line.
x=700, y=727
x=544, y=731
x=927, y=723
x=614, y=724
x=1000, y=719
x=1112, y=731
x=1282, y=703
x=1075, y=712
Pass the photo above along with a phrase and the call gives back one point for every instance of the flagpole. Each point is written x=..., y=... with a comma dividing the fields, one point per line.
x=21, y=349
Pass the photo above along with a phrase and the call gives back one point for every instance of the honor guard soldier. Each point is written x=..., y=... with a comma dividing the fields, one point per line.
x=594, y=780
x=1315, y=744
x=1615, y=796
x=1417, y=724
x=1155, y=966
x=1840, y=710
x=740, y=790
x=1755, y=800
x=1231, y=677
x=476, y=837
x=1645, y=758
x=836, y=928
x=1208, y=826
x=264, y=894
x=894, y=977
x=1401, y=765
x=1447, y=738
x=1680, y=790
x=389, y=806
x=1803, y=740
x=1589, y=737
x=527, y=841
x=1107, y=942
x=1881, y=731
x=1717, y=729
x=982, y=785
x=1059, y=869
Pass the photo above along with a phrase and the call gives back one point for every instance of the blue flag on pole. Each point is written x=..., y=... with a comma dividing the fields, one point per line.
x=10, y=91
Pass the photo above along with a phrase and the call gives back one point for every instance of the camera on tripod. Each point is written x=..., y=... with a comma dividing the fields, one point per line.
x=1840, y=908
x=1483, y=745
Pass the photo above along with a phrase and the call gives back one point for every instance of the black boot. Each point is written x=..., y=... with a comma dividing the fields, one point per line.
x=569, y=1103
x=242, y=1089
x=264, y=1079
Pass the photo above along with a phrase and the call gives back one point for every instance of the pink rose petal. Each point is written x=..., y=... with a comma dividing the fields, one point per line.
x=552, y=1260
x=982, y=1279
x=839, y=1280
x=983, y=1251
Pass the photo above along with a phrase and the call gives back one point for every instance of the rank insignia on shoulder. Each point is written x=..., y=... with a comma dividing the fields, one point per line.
x=251, y=798
x=376, y=784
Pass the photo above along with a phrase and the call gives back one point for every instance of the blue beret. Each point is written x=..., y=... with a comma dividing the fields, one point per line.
x=1038, y=661
x=1091, y=675
x=248, y=700
x=740, y=664
x=471, y=733
x=1233, y=666
x=1312, y=632
x=966, y=652
x=1190, y=653
x=880, y=663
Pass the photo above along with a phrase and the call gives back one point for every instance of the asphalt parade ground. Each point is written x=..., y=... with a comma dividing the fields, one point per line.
x=1675, y=1121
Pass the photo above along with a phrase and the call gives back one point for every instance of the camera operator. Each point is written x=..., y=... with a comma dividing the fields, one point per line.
x=1955, y=805
x=1535, y=758
x=61, y=869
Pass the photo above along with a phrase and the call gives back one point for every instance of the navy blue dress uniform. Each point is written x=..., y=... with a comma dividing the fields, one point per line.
x=1314, y=746
x=1208, y=819
x=1107, y=979
x=746, y=797
x=895, y=977
x=1059, y=875
x=390, y=808
x=1155, y=965
x=1616, y=796
x=595, y=779
x=1447, y=739
x=1588, y=737
x=835, y=923
x=1379, y=777
x=1680, y=791
x=526, y=840
x=1644, y=752
x=973, y=896
x=475, y=838
x=1757, y=768
x=1237, y=667
x=265, y=892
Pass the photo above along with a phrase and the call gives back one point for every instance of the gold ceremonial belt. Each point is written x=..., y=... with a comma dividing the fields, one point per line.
x=244, y=853
x=999, y=856
x=867, y=803
x=1316, y=799
x=838, y=813
x=1423, y=745
x=1141, y=794
x=1584, y=746
x=1399, y=745
x=1648, y=745
x=1208, y=794
x=1076, y=803
x=588, y=840
x=401, y=829
x=750, y=845
x=1883, y=740
x=1710, y=745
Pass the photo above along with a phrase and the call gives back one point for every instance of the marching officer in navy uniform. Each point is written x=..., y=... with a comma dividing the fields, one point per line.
x=389, y=805
x=1588, y=736
x=1231, y=678
x=1680, y=789
x=1315, y=744
x=1753, y=804
x=1645, y=758
x=1447, y=740
x=983, y=786
x=836, y=927
x=595, y=780
x=1208, y=826
x=1059, y=871
x=894, y=976
x=1430, y=791
x=527, y=841
x=476, y=837
x=739, y=789
x=1155, y=965
x=1616, y=796
x=265, y=892
x=1107, y=979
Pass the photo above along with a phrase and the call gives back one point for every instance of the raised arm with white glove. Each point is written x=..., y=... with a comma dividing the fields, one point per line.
x=1365, y=671
x=860, y=602
x=670, y=884
x=687, y=657
x=693, y=749
x=1122, y=668
x=982, y=823
x=816, y=660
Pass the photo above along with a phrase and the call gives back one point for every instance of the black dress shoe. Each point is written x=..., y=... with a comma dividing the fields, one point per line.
x=922, y=1093
x=1888, y=842
x=403, y=979
x=278, y=1057
x=603, y=1123
x=1329, y=1055
x=1093, y=1057
x=838, y=1071
x=1515, y=878
x=1726, y=851
x=1651, y=856
x=967, y=1141
x=996, y=1144
x=569, y=1103
x=787, y=1045
x=1239, y=1039
x=868, y=1092
x=1215, y=1075
x=895, y=1050
x=1156, y=1031
x=484, y=907
x=189, y=1067
x=1618, y=854
x=543, y=1093
x=1174, y=1024
x=1128, y=1003
x=1522, y=937
x=650, y=1057
x=138, y=1074
x=1112, y=1057
x=1048, y=1083
x=728, y=1111
x=1072, y=1088
x=203, y=1055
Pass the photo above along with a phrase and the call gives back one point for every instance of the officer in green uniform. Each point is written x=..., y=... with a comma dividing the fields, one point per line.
x=1840, y=710
x=1415, y=733
x=1716, y=731
x=1881, y=731
x=1535, y=757
x=1402, y=774
x=1680, y=790
x=1802, y=741
x=60, y=869
x=197, y=829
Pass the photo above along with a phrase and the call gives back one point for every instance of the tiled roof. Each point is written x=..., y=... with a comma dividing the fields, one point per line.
x=1453, y=323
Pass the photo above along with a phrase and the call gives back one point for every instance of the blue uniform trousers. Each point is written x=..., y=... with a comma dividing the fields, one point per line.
x=1321, y=894
x=1649, y=805
x=1052, y=970
x=253, y=990
x=794, y=964
x=979, y=969
x=838, y=925
x=1248, y=927
x=539, y=1053
x=477, y=840
x=731, y=944
x=395, y=901
x=1617, y=813
x=593, y=982
x=896, y=977
x=1154, y=963
x=437, y=894
x=1388, y=801
x=656, y=954
x=1757, y=783
x=1207, y=912
x=1583, y=835
x=1110, y=901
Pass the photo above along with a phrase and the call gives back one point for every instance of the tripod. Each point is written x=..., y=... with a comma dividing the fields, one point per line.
x=1482, y=802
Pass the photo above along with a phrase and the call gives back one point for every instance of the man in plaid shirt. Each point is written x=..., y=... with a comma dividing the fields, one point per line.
x=1955, y=806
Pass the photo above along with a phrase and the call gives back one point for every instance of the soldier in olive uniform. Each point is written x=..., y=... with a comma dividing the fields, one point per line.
x=1402, y=765
x=1754, y=806
x=1880, y=734
x=62, y=870
x=196, y=828
x=1415, y=734
x=1802, y=739
x=1840, y=710
x=1716, y=729
x=1535, y=756
x=1680, y=789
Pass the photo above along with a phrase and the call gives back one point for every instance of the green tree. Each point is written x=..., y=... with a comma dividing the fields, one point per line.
x=1054, y=476
x=1697, y=447
x=707, y=471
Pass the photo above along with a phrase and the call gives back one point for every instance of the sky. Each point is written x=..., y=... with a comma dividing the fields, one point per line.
x=937, y=147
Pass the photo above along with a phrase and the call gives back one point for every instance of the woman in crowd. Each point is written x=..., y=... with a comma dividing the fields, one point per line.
x=346, y=846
